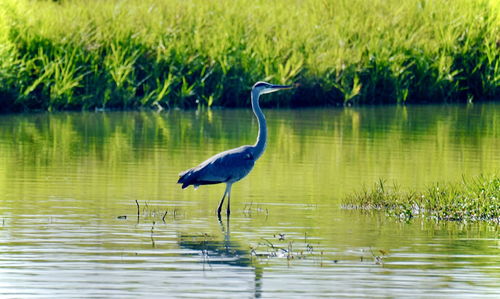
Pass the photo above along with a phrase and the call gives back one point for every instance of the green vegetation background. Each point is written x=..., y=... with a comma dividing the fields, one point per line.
x=78, y=54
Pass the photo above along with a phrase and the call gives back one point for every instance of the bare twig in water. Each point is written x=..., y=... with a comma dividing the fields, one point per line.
x=290, y=251
x=163, y=218
x=269, y=243
x=152, y=232
x=138, y=209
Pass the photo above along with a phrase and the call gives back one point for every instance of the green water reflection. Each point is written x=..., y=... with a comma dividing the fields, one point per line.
x=320, y=154
x=66, y=177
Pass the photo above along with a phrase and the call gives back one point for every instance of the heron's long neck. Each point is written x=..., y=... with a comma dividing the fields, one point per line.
x=260, y=145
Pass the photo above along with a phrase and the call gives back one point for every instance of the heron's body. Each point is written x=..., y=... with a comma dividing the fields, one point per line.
x=227, y=167
x=232, y=165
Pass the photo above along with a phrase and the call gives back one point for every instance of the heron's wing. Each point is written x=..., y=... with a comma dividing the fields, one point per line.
x=231, y=165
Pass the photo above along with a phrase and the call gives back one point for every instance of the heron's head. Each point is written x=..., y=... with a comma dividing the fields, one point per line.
x=264, y=87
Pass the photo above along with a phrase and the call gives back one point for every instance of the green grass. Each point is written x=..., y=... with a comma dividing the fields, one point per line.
x=470, y=200
x=78, y=54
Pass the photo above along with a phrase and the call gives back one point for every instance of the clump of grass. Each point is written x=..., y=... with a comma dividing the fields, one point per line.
x=131, y=53
x=474, y=199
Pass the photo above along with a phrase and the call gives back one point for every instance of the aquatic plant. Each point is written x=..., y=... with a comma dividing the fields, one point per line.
x=472, y=199
x=125, y=54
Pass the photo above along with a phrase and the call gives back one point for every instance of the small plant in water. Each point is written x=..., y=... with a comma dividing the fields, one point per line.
x=147, y=212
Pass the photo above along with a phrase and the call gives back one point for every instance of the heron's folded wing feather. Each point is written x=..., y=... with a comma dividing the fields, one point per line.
x=230, y=165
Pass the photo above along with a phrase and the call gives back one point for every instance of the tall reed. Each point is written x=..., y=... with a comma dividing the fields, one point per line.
x=91, y=54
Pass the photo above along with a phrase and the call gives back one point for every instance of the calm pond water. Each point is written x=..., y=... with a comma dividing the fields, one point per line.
x=69, y=183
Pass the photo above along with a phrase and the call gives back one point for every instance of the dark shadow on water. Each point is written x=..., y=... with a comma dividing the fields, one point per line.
x=224, y=252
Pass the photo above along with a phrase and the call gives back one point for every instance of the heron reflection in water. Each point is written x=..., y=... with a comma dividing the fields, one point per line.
x=225, y=252
x=233, y=165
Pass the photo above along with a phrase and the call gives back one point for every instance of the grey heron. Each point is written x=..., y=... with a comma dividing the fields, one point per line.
x=233, y=165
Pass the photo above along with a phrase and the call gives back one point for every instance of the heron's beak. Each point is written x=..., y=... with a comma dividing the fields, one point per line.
x=279, y=87
x=274, y=88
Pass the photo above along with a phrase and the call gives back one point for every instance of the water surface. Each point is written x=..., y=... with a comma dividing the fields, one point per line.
x=69, y=183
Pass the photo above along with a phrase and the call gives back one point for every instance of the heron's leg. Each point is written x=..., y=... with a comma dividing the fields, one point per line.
x=221, y=202
x=228, y=199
